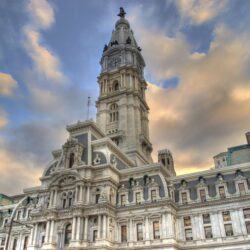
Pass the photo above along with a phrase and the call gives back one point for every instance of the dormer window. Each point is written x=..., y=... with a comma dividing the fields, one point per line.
x=242, y=189
x=184, y=198
x=222, y=192
x=202, y=195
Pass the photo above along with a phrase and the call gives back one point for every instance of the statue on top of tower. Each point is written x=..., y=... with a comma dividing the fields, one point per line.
x=122, y=13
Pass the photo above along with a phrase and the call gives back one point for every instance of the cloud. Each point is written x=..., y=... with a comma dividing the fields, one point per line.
x=22, y=172
x=46, y=63
x=3, y=118
x=209, y=109
x=41, y=13
x=200, y=11
x=24, y=154
x=7, y=84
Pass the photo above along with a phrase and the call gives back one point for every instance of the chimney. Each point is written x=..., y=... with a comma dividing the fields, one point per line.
x=248, y=138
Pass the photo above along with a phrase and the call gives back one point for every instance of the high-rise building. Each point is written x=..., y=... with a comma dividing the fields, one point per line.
x=103, y=191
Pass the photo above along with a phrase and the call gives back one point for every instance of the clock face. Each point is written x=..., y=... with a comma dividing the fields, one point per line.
x=114, y=62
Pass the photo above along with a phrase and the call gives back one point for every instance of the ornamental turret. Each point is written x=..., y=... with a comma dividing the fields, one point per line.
x=122, y=110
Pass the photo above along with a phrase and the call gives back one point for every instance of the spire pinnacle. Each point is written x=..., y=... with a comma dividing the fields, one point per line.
x=122, y=13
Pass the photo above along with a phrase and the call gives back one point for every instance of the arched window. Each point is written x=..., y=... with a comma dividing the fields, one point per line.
x=113, y=115
x=70, y=196
x=64, y=200
x=67, y=234
x=116, y=85
x=71, y=160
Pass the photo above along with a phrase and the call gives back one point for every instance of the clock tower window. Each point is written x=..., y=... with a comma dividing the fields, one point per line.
x=113, y=115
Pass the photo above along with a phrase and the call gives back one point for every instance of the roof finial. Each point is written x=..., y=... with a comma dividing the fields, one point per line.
x=122, y=13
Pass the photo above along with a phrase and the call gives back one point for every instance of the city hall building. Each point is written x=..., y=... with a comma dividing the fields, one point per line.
x=102, y=189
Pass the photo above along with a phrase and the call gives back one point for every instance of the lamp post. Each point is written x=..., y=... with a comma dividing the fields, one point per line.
x=11, y=220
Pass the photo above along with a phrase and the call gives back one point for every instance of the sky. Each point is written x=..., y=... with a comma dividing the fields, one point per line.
x=197, y=56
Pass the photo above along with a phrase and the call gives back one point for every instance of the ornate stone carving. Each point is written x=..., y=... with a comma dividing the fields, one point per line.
x=97, y=160
x=113, y=161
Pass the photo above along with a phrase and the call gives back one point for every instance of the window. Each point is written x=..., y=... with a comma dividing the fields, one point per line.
x=187, y=221
x=188, y=234
x=71, y=160
x=208, y=232
x=97, y=197
x=138, y=197
x=156, y=229
x=229, y=230
x=68, y=234
x=116, y=86
x=64, y=200
x=14, y=246
x=113, y=115
x=226, y=216
x=18, y=217
x=248, y=227
x=246, y=213
x=5, y=222
x=123, y=200
x=124, y=233
x=139, y=232
x=94, y=235
x=25, y=243
x=153, y=195
x=3, y=242
x=163, y=162
x=222, y=192
x=242, y=189
x=203, y=195
x=70, y=195
x=24, y=213
x=184, y=198
x=43, y=239
x=206, y=219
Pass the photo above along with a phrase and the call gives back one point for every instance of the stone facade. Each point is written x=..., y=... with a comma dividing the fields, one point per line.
x=102, y=191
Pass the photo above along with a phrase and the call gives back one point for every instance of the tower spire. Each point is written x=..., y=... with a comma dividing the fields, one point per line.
x=122, y=110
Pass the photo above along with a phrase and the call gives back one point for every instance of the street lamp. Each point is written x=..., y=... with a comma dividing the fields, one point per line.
x=26, y=200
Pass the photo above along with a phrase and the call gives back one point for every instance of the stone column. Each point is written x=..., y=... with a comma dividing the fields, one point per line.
x=35, y=234
x=77, y=193
x=104, y=227
x=146, y=228
x=99, y=227
x=170, y=225
x=131, y=238
x=163, y=226
x=20, y=241
x=73, y=228
x=180, y=229
x=51, y=231
x=130, y=81
x=51, y=198
x=31, y=236
x=78, y=228
x=220, y=222
x=47, y=232
x=88, y=194
x=55, y=198
x=86, y=228
x=242, y=222
x=81, y=192
x=236, y=224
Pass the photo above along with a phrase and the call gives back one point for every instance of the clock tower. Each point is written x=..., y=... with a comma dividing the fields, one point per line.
x=122, y=110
